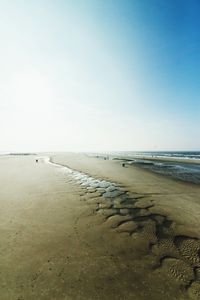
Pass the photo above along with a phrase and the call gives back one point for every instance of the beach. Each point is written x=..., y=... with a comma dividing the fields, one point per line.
x=80, y=227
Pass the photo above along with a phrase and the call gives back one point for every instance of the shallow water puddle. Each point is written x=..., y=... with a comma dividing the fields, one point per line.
x=105, y=188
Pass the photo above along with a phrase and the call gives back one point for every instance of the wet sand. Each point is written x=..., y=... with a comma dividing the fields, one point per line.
x=100, y=232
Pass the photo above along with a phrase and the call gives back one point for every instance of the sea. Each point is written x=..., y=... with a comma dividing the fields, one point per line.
x=183, y=166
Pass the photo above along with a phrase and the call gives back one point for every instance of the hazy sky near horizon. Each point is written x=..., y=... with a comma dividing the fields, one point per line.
x=97, y=75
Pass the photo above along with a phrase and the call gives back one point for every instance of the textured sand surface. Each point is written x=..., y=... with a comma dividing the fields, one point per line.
x=159, y=219
x=101, y=232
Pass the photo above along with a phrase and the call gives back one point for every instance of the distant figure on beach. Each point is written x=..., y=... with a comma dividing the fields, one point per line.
x=123, y=165
x=36, y=160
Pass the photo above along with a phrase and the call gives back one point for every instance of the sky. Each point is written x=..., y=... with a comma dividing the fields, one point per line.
x=99, y=75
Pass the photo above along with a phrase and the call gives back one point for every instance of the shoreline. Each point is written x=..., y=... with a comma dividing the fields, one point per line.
x=163, y=159
x=185, y=170
x=130, y=157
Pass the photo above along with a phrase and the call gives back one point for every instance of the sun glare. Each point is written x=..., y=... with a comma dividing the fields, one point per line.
x=30, y=90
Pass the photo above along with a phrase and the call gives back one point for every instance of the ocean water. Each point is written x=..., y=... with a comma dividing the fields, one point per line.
x=181, y=165
x=162, y=154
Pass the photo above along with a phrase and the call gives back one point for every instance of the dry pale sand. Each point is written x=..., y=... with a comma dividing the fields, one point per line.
x=64, y=239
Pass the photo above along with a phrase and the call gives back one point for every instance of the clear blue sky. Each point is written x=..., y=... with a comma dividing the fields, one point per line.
x=99, y=75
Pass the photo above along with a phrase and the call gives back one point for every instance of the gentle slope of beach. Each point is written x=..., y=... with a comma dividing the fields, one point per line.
x=63, y=239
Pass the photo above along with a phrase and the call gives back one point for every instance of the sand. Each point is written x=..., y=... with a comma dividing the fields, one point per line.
x=105, y=233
